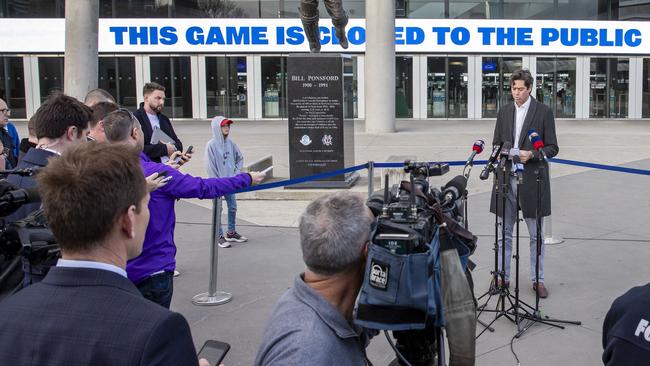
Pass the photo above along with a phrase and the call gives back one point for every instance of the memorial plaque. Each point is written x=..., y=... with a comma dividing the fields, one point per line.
x=321, y=139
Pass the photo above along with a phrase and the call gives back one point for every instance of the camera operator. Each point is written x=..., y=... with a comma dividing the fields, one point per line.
x=152, y=271
x=311, y=324
x=85, y=311
x=60, y=123
x=626, y=330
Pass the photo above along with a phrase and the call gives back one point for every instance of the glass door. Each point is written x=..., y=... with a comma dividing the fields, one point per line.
x=496, y=83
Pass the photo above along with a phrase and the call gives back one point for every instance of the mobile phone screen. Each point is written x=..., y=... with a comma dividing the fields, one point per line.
x=189, y=149
x=214, y=351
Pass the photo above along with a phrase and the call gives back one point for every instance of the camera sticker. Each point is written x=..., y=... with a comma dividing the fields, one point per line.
x=379, y=275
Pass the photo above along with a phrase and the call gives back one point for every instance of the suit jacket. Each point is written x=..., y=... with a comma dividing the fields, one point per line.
x=83, y=316
x=156, y=151
x=539, y=118
x=33, y=158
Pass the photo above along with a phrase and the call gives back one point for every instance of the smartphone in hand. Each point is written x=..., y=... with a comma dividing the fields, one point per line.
x=214, y=351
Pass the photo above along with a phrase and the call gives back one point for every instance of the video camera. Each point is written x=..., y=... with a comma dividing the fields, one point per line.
x=402, y=288
x=27, y=247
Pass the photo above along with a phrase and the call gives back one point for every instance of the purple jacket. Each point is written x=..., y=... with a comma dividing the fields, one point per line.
x=159, y=250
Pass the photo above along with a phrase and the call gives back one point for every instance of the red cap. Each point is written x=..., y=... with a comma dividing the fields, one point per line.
x=225, y=121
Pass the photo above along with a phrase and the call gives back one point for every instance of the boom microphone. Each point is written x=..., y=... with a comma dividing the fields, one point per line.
x=477, y=148
x=496, y=150
x=454, y=189
x=538, y=144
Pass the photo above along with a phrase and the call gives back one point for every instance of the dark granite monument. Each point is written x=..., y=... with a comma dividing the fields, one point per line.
x=321, y=139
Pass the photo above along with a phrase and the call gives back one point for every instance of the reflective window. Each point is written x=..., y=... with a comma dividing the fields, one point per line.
x=447, y=87
x=32, y=8
x=350, y=84
x=50, y=76
x=556, y=85
x=645, y=111
x=422, y=9
x=117, y=76
x=496, y=82
x=634, y=10
x=534, y=9
x=226, y=86
x=404, y=87
x=274, y=87
x=175, y=75
x=12, y=85
x=609, y=83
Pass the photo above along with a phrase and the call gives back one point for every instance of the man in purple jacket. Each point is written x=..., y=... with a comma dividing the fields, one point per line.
x=152, y=272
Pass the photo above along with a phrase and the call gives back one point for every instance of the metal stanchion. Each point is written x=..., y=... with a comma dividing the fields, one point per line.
x=371, y=176
x=213, y=297
x=548, y=226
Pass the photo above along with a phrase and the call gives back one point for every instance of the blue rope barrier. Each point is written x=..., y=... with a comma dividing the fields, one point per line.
x=601, y=166
x=289, y=182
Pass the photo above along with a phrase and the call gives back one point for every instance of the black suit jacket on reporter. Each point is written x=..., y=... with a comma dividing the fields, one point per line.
x=156, y=151
x=83, y=316
x=539, y=118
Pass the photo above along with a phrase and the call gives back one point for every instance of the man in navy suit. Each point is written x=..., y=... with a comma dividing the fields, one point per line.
x=86, y=311
x=150, y=117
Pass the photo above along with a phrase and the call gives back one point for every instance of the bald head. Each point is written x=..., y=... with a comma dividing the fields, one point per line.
x=4, y=113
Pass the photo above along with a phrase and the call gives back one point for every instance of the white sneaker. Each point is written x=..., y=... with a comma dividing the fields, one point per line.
x=236, y=237
x=222, y=243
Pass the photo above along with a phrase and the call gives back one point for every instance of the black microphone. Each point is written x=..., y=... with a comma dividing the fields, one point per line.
x=21, y=196
x=477, y=148
x=454, y=189
x=493, y=157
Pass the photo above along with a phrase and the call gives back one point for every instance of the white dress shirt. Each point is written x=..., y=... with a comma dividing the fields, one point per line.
x=520, y=116
x=90, y=264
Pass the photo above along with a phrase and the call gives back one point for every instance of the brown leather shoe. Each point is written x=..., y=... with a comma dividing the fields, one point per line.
x=541, y=290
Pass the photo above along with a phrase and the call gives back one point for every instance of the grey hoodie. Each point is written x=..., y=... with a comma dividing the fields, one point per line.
x=222, y=156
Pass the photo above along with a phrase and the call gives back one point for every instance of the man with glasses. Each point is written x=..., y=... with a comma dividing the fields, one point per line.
x=514, y=120
x=5, y=136
x=152, y=271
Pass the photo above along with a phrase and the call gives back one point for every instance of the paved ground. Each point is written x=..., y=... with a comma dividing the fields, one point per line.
x=603, y=217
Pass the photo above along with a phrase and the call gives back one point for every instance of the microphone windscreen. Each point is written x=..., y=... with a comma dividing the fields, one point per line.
x=478, y=146
x=459, y=182
x=538, y=144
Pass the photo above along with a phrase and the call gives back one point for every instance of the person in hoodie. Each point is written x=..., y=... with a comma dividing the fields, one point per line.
x=224, y=159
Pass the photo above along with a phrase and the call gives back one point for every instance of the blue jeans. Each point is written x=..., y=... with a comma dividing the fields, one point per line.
x=158, y=288
x=231, y=202
x=531, y=223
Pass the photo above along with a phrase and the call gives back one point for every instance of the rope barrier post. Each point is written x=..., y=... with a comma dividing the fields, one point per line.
x=548, y=225
x=371, y=177
x=213, y=297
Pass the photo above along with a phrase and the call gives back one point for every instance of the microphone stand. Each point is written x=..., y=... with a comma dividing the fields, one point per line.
x=501, y=191
x=536, y=316
x=466, y=172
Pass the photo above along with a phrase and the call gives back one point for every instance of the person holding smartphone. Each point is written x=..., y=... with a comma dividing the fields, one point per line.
x=224, y=159
x=152, y=271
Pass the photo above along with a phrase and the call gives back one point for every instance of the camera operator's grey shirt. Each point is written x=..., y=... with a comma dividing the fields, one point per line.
x=305, y=329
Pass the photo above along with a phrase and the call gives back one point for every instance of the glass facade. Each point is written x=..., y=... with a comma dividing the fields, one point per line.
x=226, y=86
x=174, y=74
x=433, y=9
x=447, y=87
x=496, y=82
x=274, y=87
x=12, y=85
x=556, y=85
x=609, y=84
x=50, y=76
x=404, y=87
x=117, y=76
x=645, y=108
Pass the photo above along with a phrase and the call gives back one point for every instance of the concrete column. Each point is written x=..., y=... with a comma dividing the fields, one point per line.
x=81, y=59
x=380, y=66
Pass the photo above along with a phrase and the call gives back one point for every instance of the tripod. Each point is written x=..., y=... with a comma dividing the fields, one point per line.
x=536, y=316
